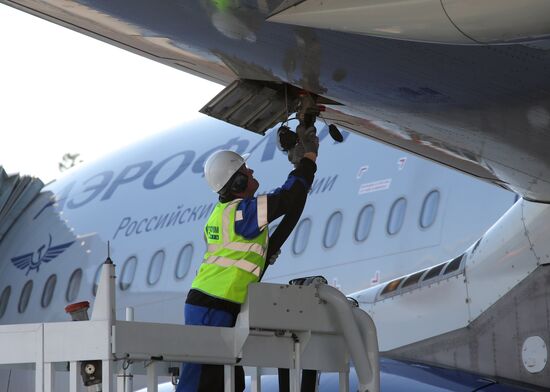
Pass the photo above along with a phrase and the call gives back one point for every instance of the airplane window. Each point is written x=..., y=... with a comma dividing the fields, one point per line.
x=397, y=216
x=128, y=273
x=155, y=268
x=332, y=230
x=453, y=265
x=432, y=273
x=4, y=299
x=301, y=237
x=74, y=285
x=429, y=209
x=49, y=289
x=413, y=279
x=96, y=279
x=392, y=286
x=25, y=296
x=184, y=261
x=364, y=223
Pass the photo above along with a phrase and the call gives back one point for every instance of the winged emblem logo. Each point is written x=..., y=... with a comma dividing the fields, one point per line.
x=28, y=261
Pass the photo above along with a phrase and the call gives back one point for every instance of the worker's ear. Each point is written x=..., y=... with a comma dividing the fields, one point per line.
x=239, y=183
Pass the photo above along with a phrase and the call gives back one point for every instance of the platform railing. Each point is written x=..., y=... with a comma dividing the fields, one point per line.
x=280, y=326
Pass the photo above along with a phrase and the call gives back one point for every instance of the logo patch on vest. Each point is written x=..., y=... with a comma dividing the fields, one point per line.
x=213, y=232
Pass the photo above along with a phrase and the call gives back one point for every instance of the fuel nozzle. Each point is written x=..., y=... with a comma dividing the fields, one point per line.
x=308, y=112
x=307, y=108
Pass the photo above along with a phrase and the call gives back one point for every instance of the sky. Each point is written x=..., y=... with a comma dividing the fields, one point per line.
x=63, y=92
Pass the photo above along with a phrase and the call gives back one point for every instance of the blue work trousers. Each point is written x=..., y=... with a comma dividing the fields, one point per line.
x=196, y=377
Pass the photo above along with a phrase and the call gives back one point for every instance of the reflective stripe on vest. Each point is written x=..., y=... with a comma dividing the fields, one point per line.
x=239, y=247
x=242, y=264
x=262, y=211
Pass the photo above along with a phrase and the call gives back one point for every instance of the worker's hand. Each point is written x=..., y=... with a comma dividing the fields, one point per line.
x=308, y=139
x=296, y=153
x=311, y=156
x=274, y=257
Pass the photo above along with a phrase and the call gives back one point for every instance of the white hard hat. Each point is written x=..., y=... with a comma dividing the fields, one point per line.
x=220, y=167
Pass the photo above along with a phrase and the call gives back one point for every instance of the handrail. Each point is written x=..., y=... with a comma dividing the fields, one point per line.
x=364, y=367
x=282, y=326
x=370, y=341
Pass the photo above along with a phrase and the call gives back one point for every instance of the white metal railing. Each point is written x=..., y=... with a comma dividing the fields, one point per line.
x=280, y=326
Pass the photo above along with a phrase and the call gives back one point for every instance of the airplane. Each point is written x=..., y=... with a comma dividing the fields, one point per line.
x=370, y=218
x=460, y=82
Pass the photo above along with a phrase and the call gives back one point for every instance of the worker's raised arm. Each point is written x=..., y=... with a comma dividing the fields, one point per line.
x=289, y=200
x=291, y=196
x=254, y=214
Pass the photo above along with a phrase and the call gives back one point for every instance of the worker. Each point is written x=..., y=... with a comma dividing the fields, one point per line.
x=237, y=245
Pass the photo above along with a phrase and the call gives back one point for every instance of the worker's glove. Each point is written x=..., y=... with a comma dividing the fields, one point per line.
x=296, y=153
x=274, y=257
x=308, y=138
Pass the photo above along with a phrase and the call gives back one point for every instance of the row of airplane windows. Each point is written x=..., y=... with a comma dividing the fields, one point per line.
x=301, y=238
x=363, y=225
x=71, y=293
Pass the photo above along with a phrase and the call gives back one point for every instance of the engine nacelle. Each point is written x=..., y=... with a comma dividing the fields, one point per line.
x=465, y=22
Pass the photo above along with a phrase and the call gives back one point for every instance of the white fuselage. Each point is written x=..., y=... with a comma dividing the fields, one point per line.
x=150, y=203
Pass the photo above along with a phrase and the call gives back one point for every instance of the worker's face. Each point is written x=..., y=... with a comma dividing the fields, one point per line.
x=253, y=184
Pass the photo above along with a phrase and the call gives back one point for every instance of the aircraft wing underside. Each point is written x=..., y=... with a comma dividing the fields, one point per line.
x=482, y=109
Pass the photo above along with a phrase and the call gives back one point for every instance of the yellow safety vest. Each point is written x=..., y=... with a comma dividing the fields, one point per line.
x=231, y=261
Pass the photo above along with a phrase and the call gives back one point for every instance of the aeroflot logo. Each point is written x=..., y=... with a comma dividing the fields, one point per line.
x=33, y=260
x=154, y=175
